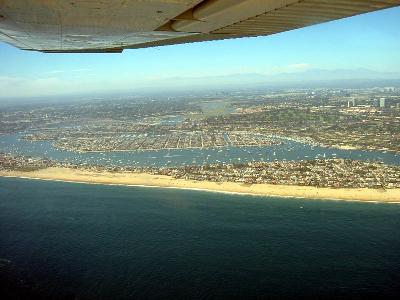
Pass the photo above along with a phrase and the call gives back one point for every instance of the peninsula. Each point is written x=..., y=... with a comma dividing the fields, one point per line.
x=152, y=180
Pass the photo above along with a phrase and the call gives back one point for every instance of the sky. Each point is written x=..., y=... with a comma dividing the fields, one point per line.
x=370, y=41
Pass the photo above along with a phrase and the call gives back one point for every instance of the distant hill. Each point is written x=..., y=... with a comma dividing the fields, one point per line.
x=311, y=78
x=308, y=78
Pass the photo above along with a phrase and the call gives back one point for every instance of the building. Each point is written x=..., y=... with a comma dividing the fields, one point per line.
x=382, y=103
x=351, y=102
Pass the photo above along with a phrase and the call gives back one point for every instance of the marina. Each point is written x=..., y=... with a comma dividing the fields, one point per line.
x=289, y=149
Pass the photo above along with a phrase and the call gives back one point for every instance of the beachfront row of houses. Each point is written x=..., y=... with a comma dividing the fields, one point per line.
x=334, y=173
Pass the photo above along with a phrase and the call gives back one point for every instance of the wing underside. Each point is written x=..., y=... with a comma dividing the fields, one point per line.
x=114, y=25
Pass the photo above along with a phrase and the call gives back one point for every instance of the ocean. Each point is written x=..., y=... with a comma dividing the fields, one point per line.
x=77, y=241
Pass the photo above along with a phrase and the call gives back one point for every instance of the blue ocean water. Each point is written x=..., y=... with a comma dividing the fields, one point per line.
x=76, y=241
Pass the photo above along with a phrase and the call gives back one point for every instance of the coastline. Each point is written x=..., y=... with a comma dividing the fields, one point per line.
x=163, y=181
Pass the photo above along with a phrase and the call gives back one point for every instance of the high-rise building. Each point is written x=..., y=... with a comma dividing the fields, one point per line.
x=382, y=103
x=351, y=102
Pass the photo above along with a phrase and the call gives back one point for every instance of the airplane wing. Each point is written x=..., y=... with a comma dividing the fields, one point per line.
x=114, y=25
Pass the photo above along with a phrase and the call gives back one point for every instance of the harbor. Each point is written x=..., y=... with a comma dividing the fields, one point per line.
x=286, y=150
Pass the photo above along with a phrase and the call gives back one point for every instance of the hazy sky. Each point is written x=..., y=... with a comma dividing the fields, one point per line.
x=369, y=41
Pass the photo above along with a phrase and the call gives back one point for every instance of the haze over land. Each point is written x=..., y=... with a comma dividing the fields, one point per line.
x=307, y=78
x=311, y=78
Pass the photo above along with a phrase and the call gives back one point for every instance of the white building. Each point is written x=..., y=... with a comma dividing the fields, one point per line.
x=382, y=102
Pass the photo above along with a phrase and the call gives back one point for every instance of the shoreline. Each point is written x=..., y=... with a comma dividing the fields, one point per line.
x=163, y=181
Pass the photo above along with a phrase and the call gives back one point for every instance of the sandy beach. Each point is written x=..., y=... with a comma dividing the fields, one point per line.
x=142, y=179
